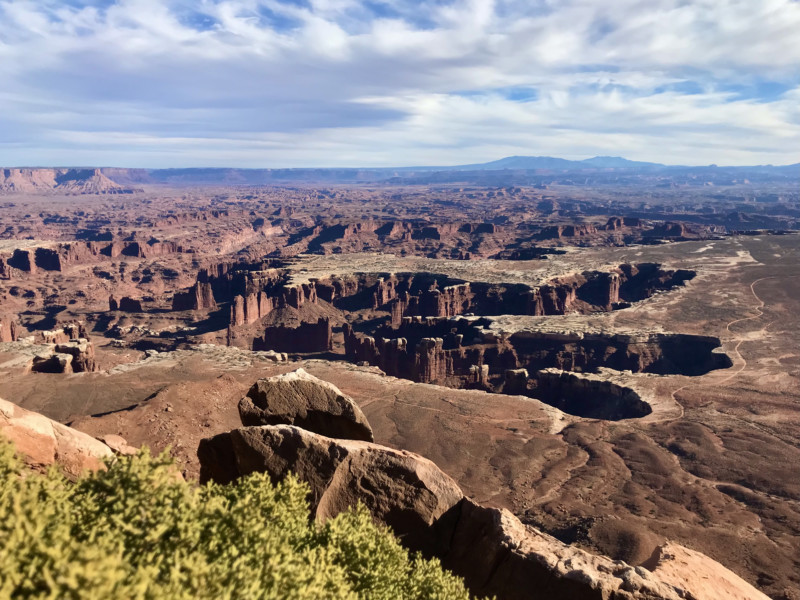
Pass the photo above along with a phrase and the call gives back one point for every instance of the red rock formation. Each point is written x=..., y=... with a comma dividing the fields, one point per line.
x=449, y=350
x=667, y=230
x=237, y=312
x=250, y=309
x=198, y=297
x=8, y=329
x=429, y=362
x=305, y=337
x=23, y=260
x=66, y=333
x=127, y=304
x=149, y=249
x=82, y=352
x=5, y=269
x=557, y=232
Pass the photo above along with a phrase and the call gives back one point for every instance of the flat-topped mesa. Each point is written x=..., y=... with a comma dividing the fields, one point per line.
x=254, y=294
x=70, y=181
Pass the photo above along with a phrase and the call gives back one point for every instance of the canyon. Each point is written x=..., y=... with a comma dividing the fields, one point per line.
x=614, y=366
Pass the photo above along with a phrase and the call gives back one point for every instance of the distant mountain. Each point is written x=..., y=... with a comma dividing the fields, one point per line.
x=511, y=170
x=617, y=162
x=524, y=163
x=532, y=163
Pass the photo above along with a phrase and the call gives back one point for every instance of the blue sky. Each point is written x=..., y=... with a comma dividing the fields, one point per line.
x=278, y=83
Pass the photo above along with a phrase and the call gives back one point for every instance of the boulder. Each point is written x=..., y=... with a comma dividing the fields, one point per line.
x=490, y=548
x=300, y=399
x=118, y=444
x=401, y=489
x=42, y=442
x=498, y=555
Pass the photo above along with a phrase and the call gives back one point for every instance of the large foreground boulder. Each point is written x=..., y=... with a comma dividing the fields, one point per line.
x=41, y=442
x=404, y=490
x=300, y=399
x=490, y=548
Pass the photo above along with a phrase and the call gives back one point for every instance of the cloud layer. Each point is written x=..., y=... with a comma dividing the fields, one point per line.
x=276, y=83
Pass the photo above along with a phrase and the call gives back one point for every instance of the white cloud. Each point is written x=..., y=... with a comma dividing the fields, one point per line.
x=273, y=83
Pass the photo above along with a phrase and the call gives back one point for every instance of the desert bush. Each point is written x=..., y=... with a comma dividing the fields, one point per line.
x=136, y=531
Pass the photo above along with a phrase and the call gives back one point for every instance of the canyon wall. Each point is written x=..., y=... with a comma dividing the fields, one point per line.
x=448, y=351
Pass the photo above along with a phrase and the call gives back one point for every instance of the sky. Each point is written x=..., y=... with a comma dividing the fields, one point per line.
x=332, y=83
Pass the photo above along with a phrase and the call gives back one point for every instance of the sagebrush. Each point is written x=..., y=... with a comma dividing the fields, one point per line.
x=136, y=531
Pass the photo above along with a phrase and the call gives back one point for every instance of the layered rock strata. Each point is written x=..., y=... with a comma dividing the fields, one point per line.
x=446, y=350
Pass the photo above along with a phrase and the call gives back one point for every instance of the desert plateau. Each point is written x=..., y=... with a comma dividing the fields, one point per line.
x=616, y=373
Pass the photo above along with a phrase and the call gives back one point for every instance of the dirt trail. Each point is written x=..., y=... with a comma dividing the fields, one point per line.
x=740, y=359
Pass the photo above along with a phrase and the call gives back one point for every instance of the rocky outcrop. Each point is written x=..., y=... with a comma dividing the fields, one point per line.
x=516, y=382
x=198, y=297
x=249, y=309
x=706, y=578
x=82, y=353
x=128, y=304
x=42, y=442
x=68, y=332
x=67, y=350
x=52, y=362
x=8, y=329
x=498, y=555
x=557, y=232
x=404, y=490
x=118, y=444
x=490, y=548
x=298, y=398
x=304, y=337
x=24, y=260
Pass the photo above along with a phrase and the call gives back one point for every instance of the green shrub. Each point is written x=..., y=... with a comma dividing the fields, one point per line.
x=135, y=531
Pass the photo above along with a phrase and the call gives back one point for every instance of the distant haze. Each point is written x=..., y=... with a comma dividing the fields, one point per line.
x=345, y=83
